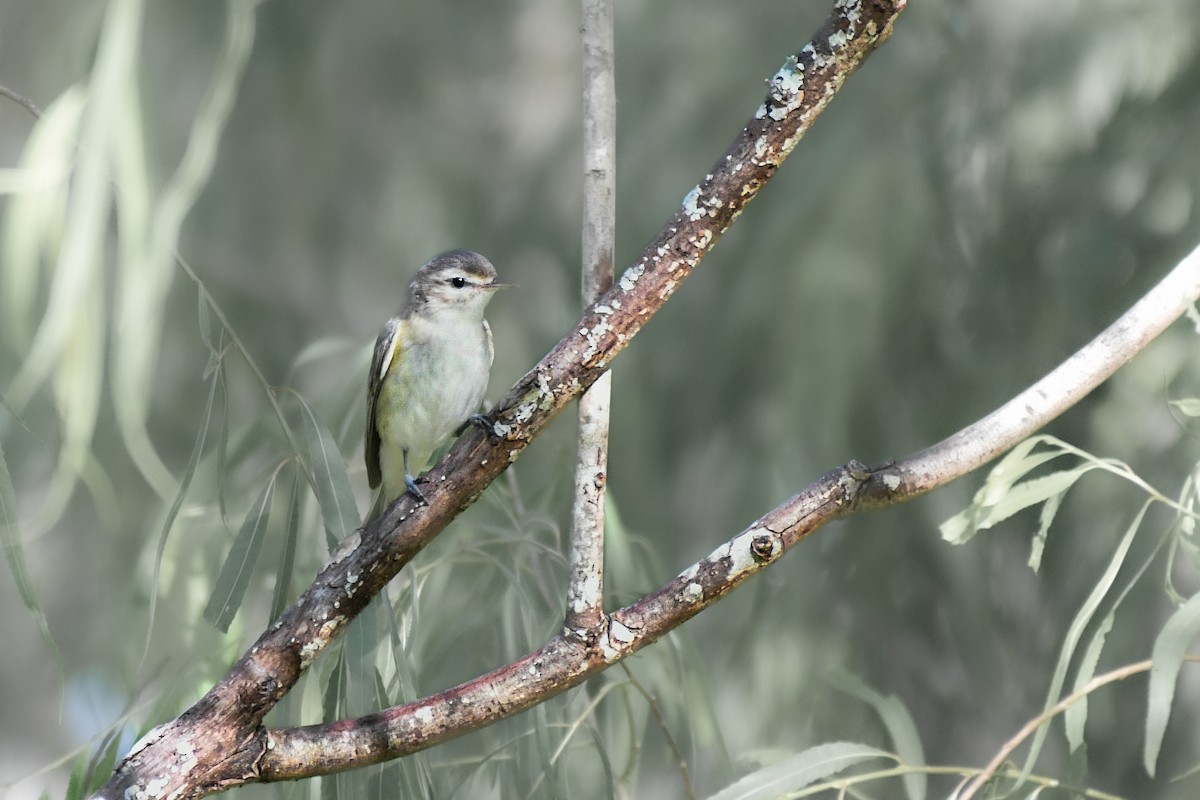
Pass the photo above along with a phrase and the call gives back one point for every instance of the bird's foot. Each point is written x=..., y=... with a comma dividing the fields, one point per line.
x=411, y=483
x=479, y=421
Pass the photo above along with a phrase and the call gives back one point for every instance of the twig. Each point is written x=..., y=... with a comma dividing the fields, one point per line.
x=29, y=105
x=585, y=595
x=672, y=745
x=1032, y=726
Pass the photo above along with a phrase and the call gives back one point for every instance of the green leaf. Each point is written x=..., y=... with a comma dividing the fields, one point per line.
x=235, y=574
x=34, y=219
x=287, y=554
x=1169, y=649
x=800, y=770
x=997, y=488
x=330, y=476
x=184, y=484
x=900, y=727
x=1032, y=492
x=1075, y=633
x=1045, y=520
x=1188, y=405
x=334, y=702
x=14, y=554
x=362, y=638
x=1075, y=718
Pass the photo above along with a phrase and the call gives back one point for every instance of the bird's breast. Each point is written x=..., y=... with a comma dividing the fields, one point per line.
x=436, y=380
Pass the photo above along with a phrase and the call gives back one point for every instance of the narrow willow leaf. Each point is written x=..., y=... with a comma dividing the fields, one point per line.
x=1045, y=520
x=331, y=479
x=184, y=484
x=34, y=218
x=335, y=689
x=14, y=554
x=1019, y=462
x=362, y=637
x=802, y=769
x=1082, y=619
x=1032, y=492
x=1169, y=649
x=287, y=555
x=1075, y=718
x=235, y=574
x=332, y=706
x=1188, y=405
x=900, y=727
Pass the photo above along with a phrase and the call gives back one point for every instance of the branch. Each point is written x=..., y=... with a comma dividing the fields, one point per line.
x=219, y=741
x=585, y=594
x=565, y=662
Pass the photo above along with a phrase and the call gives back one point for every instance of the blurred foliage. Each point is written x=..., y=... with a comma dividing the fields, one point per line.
x=995, y=186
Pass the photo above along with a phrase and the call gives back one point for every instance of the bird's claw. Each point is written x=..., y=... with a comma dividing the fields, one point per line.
x=479, y=421
x=411, y=483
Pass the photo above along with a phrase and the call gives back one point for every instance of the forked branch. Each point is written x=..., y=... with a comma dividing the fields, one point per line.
x=220, y=741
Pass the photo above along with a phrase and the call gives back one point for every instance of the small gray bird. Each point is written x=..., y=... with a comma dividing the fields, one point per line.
x=429, y=371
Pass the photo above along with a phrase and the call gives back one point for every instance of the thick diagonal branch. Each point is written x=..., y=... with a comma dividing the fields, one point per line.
x=219, y=741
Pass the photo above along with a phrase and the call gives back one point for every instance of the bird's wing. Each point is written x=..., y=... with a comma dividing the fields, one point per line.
x=385, y=351
x=491, y=351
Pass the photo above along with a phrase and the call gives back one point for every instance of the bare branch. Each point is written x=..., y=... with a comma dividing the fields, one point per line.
x=585, y=594
x=219, y=741
x=978, y=444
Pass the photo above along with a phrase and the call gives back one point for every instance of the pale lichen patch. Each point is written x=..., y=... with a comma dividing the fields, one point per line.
x=156, y=787
x=310, y=649
x=620, y=633
x=690, y=209
x=347, y=546
x=630, y=278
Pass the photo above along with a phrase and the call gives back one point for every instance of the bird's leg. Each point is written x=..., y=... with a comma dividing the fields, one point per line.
x=410, y=481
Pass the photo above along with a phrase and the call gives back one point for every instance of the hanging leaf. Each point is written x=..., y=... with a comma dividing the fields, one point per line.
x=235, y=574
x=802, y=769
x=900, y=727
x=14, y=554
x=330, y=476
x=1169, y=649
x=287, y=554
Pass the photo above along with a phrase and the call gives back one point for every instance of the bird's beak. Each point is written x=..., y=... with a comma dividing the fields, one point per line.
x=492, y=286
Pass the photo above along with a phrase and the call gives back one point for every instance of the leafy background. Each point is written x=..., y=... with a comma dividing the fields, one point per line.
x=994, y=187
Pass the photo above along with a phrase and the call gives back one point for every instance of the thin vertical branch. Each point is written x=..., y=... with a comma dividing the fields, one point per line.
x=585, y=600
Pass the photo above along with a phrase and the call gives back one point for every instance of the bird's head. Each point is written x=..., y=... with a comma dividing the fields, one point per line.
x=460, y=282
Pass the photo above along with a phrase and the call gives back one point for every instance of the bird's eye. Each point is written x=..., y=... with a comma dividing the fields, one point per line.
x=458, y=281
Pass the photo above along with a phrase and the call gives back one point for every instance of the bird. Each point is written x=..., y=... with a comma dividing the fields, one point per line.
x=429, y=372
